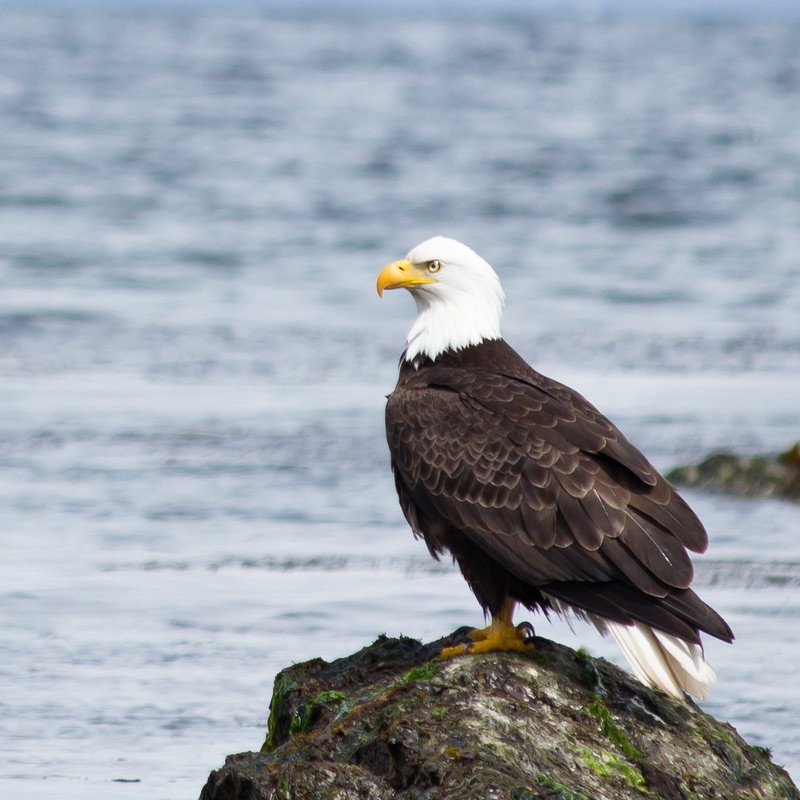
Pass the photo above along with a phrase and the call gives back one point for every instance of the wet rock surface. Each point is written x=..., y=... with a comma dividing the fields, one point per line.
x=394, y=721
x=750, y=476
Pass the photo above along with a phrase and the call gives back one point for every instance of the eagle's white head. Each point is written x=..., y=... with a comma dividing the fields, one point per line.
x=458, y=294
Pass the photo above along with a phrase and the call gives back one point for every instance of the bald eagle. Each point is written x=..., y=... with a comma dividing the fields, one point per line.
x=540, y=499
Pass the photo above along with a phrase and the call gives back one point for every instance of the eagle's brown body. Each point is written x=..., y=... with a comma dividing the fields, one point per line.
x=539, y=497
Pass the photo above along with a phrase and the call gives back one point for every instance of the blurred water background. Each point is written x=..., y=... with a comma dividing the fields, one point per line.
x=194, y=207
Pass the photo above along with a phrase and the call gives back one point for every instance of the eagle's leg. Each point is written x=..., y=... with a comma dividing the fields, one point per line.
x=500, y=635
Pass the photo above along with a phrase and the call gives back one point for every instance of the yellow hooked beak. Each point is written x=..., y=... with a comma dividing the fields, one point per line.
x=401, y=275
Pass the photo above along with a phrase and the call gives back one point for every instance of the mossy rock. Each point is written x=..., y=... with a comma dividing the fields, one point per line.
x=749, y=476
x=393, y=721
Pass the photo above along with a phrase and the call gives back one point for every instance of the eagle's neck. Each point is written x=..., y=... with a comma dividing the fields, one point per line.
x=490, y=355
x=453, y=322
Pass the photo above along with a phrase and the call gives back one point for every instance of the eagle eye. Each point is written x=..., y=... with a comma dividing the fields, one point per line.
x=434, y=266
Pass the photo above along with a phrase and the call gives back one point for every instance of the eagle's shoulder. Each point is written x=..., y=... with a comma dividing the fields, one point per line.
x=493, y=383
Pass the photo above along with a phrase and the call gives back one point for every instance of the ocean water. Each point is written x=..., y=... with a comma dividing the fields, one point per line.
x=194, y=207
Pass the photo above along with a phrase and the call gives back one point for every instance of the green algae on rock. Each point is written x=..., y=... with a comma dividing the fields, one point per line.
x=750, y=476
x=392, y=721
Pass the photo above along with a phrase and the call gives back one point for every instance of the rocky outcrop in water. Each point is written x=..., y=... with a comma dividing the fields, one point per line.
x=393, y=721
x=751, y=476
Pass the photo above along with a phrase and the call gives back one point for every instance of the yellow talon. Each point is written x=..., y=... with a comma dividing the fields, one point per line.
x=500, y=636
x=480, y=634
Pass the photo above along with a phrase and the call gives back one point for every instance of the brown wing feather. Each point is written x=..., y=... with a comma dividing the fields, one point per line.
x=538, y=478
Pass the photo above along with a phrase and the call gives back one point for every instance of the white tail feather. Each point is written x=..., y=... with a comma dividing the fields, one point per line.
x=663, y=661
